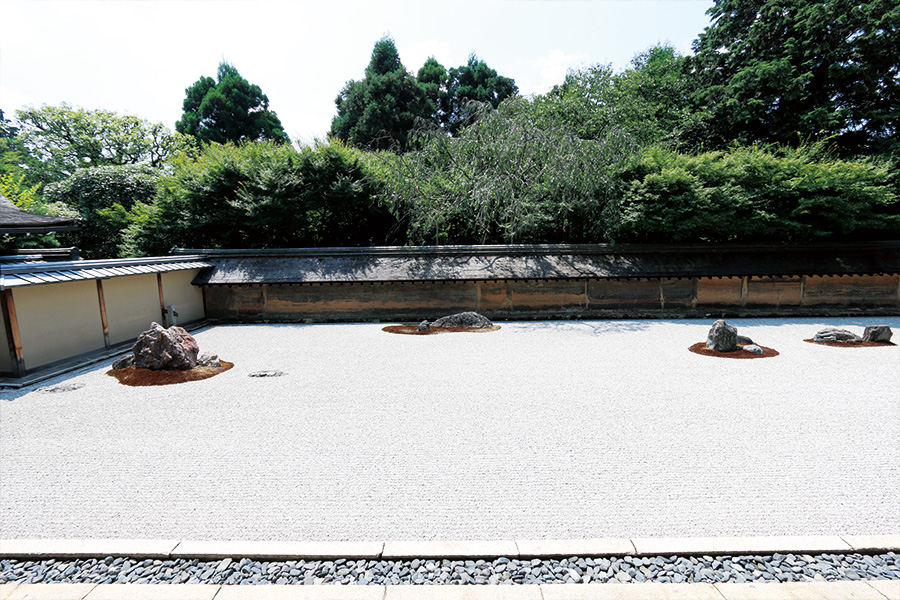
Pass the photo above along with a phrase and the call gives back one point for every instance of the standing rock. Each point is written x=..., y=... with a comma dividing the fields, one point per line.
x=464, y=319
x=722, y=337
x=165, y=349
x=877, y=333
x=833, y=334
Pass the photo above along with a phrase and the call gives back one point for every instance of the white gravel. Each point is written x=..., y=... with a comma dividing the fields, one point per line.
x=539, y=430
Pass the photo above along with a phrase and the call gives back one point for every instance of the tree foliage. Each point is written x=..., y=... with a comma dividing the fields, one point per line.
x=647, y=102
x=265, y=195
x=472, y=84
x=751, y=194
x=228, y=110
x=106, y=200
x=508, y=178
x=62, y=139
x=787, y=71
x=379, y=111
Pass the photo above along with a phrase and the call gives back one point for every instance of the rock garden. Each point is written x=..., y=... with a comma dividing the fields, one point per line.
x=873, y=336
x=723, y=341
x=164, y=356
x=459, y=322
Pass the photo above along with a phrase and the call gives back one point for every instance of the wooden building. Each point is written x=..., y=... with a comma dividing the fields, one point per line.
x=544, y=282
x=16, y=221
x=56, y=311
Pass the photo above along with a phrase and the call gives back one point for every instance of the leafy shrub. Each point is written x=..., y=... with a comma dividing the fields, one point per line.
x=753, y=194
x=508, y=178
x=104, y=199
x=265, y=195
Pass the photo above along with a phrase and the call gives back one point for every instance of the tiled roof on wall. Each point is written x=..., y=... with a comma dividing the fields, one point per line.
x=455, y=263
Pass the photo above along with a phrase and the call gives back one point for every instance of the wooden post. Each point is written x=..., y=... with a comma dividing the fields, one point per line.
x=744, y=288
x=162, y=300
x=103, y=320
x=11, y=323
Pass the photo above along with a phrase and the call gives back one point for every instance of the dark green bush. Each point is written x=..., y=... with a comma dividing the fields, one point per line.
x=105, y=199
x=751, y=194
x=265, y=195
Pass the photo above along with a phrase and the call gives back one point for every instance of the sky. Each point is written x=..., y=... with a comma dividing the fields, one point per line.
x=137, y=57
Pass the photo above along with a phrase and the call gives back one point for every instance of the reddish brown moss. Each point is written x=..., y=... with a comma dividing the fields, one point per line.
x=414, y=329
x=142, y=377
x=862, y=344
x=700, y=348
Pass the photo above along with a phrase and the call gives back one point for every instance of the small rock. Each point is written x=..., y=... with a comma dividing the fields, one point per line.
x=753, y=349
x=743, y=340
x=63, y=387
x=270, y=373
x=722, y=337
x=877, y=333
x=209, y=360
x=124, y=362
x=834, y=334
x=424, y=326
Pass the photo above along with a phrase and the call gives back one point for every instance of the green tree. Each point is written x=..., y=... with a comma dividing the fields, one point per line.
x=63, y=139
x=786, y=71
x=514, y=176
x=228, y=110
x=379, y=111
x=651, y=99
x=106, y=200
x=16, y=164
x=751, y=194
x=433, y=79
x=471, y=84
x=265, y=195
x=648, y=102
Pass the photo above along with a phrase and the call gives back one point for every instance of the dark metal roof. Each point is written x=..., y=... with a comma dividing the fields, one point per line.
x=457, y=263
x=17, y=275
x=15, y=220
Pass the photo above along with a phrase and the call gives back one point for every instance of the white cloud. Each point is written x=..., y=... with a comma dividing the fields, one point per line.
x=549, y=70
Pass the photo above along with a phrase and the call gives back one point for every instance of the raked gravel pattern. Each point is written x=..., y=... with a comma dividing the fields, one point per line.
x=627, y=569
x=543, y=430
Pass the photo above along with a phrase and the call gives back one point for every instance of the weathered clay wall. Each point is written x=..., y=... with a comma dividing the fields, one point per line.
x=59, y=321
x=571, y=298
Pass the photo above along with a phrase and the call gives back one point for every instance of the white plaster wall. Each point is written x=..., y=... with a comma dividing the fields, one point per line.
x=58, y=321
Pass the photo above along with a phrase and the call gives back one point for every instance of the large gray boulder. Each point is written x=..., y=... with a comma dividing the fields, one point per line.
x=835, y=334
x=722, y=337
x=464, y=319
x=161, y=349
x=877, y=333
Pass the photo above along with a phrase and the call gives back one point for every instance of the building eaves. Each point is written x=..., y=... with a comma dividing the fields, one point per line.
x=19, y=275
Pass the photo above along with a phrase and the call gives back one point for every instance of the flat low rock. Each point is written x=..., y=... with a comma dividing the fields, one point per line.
x=877, y=333
x=722, y=337
x=753, y=349
x=162, y=349
x=464, y=319
x=835, y=334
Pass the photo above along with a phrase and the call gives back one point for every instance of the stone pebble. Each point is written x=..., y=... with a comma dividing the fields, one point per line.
x=501, y=571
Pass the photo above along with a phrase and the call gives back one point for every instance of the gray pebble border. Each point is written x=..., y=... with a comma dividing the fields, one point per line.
x=627, y=569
